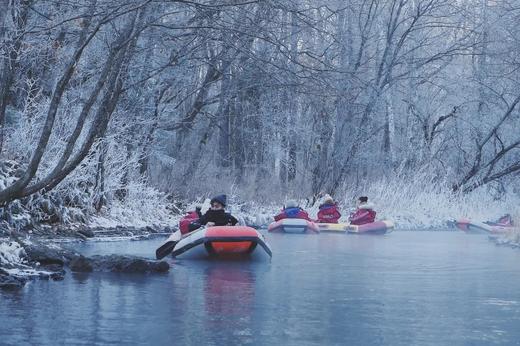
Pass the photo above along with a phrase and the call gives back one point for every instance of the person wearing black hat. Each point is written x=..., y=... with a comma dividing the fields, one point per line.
x=364, y=214
x=216, y=215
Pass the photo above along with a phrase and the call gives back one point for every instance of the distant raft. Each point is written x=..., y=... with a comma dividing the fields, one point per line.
x=378, y=227
x=300, y=226
x=221, y=241
x=471, y=226
x=333, y=227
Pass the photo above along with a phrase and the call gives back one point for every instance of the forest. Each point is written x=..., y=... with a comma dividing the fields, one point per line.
x=139, y=106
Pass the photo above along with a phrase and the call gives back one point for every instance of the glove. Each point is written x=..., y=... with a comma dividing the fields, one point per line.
x=193, y=226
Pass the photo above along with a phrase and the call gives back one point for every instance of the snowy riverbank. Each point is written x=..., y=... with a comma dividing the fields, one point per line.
x=510, y=240
x=31, y=249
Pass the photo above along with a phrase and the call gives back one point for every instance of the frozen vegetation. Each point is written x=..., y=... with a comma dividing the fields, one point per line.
x=118, y=116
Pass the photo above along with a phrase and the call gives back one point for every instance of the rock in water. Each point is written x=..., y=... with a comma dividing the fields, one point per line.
x=118, y=264
x=9, y=282
x=128, y=264
x=46, y=255
x=81, y=264
x=87, y=232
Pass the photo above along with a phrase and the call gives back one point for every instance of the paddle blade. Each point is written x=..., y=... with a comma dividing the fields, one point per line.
x=165, y=249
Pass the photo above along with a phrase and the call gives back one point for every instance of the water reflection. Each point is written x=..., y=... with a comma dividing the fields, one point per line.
x=229, y=294
x=404, y=289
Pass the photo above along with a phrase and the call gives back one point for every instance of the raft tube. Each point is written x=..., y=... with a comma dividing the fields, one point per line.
x=333, y=227
x=470, y=226
x=293, y=226
x=378, y=227
x=222, y=241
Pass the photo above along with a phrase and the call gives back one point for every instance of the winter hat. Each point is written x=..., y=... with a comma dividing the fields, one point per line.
x=327, y=199
x=291, y=204
x=219, y=199
x=363, y=199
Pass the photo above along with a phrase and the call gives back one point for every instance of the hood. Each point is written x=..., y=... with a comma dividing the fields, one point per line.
x=367, y=206
x=327, y=199
x=291, y=204
x=292, y=212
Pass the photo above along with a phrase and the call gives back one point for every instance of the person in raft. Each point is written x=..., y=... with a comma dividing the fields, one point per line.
x=504, y=221
x=189, y=218
x=364, y=214
x=328, y=212
x=216, y=215
x=292, y=211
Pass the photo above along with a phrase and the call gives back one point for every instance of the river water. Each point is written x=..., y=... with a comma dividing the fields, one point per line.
x=405, y=288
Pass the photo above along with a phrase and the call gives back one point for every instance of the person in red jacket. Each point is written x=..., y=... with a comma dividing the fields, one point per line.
x=504, y=221
x=364, y=214
x=292, y=211
x=189, y=218
x=328, y=212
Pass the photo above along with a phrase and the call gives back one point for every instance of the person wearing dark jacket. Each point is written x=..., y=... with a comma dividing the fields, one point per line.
x=216, y=215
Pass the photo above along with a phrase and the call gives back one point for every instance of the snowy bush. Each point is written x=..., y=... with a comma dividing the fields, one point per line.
x=144, y=206
x=422, y=201
x=11, y=253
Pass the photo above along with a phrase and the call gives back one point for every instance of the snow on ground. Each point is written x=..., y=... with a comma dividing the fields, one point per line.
x=27, y=272
x=11, y=253
x=513, y=238
x=12, y=262
x=143, y=207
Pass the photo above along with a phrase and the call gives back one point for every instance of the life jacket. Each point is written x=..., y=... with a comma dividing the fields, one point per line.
x=328, y=213
x=185, y=222
x=292, y=213
x=365, y=214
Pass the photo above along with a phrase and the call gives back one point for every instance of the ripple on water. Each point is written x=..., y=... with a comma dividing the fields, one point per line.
x=407, y=288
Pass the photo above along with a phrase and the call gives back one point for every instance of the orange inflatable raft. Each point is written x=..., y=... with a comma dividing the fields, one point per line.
x=222, y=241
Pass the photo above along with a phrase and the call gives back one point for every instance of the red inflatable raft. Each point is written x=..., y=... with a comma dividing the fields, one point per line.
x=222, y=241
x=293, y=226
x=378, y=227
x=470, y=226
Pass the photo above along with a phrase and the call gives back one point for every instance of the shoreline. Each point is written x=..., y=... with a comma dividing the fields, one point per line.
x=511, y=240
x=39, y=254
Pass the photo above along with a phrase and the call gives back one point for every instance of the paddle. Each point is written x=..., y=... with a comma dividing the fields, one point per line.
x=165, y=249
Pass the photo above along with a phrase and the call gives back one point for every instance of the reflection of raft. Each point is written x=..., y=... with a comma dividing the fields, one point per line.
x=293, y=226
x=222, y=241
x=378, y=227
x=470, y=226
x=333, y=227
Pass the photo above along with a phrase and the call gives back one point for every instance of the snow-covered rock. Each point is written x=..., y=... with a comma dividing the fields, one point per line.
x=11, y=254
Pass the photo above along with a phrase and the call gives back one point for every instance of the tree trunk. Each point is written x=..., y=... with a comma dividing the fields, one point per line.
x=8, y=70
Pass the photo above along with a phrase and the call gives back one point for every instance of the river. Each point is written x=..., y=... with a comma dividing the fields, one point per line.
x=405, y=288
